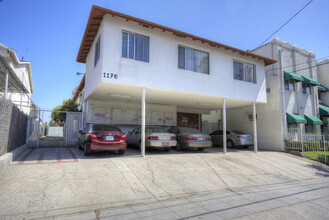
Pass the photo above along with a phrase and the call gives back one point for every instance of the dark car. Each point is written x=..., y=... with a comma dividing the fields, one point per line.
x=190, y=138
x=102, y=137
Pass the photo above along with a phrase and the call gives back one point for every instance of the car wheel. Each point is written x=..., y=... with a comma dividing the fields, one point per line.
x=121, y=151
x=167, y=149
x=244, y=147
x=201, y=149
x=230, y=144
x=86, y=149
x=79, y=147
x=178, y=146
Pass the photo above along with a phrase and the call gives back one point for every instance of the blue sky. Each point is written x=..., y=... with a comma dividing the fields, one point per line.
x=48, y=33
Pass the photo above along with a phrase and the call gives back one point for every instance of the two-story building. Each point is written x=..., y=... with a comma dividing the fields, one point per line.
x=292, y=95
x=323, y=77
x=15, y=79
x=142, y=73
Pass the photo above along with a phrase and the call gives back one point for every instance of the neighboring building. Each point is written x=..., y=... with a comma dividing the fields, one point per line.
x=16, y=79
x=292, y=95
x=181, y=76
x=323, y=77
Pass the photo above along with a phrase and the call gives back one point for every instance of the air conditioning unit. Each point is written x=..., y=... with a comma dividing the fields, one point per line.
x=249, y=117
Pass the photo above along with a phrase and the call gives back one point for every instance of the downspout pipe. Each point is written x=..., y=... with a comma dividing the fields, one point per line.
x=283, y=94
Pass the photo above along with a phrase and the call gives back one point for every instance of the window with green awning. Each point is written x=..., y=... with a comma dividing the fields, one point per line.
x=313, y=120
x=292, y=76
x=308, y=80
x=295, y=118
x=323, y=88
x=324, y=110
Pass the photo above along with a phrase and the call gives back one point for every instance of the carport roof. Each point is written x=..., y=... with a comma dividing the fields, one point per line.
x=95, y=19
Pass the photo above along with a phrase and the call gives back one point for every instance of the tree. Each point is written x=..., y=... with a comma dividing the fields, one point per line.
x=68, y=105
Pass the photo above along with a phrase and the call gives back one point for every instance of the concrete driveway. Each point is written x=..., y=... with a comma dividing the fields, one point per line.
x=48, y=182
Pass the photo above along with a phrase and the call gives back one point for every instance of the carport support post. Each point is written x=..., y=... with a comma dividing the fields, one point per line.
x=143, y=124
x=224, y=126
x=6, y=84
x=254, y=117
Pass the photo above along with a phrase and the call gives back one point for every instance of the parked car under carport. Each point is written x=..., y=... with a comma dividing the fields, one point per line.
x=155, y=137
x=235, y=138
x=191, y=138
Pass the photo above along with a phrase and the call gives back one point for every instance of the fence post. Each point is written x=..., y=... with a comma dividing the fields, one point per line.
x=301, y=137
x=324, y=148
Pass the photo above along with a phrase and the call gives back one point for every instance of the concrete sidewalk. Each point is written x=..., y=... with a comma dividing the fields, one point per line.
x=53, y=182
x=299, y=200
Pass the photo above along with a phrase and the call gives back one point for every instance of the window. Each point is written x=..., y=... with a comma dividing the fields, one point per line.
x=135, y=46
x=191, y=59
x=97, y=50
x=309, y=128
x=307, y=89
x=289, y=85
x=244, y=71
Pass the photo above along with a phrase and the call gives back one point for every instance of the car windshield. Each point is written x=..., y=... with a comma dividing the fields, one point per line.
x=190, y=130
x=156, y=129
x=238, y=132
x=106, y=128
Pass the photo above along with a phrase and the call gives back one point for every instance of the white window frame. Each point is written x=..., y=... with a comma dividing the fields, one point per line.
x=254, y=76
x=97, y=50
x=193, y=67
x=128, y=42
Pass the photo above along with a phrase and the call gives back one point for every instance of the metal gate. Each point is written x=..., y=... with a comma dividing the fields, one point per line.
x=37, y=129
x=72, y=126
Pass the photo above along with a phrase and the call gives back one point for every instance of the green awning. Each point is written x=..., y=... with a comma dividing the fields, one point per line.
x=323, y=88
x=313, y=120
x=295, y=118
x=324, y=110
x=293, y=76
x=308, y=80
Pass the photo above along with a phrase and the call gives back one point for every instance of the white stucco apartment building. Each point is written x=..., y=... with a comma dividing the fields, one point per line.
x=323, y=77
x=133, y=66
x=292, y=95
x=16, y=79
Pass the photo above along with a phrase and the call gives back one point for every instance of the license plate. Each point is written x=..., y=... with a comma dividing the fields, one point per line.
x=109, y=138
x=200, y=139
x=165, y=144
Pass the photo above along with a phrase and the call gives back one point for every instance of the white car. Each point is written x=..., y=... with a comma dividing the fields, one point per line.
x=155, y=137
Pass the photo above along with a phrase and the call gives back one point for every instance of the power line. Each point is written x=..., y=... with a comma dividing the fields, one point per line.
x=286, y=22
x=299, y=64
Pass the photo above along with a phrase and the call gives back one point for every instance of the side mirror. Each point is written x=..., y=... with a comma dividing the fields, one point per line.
x=129, y=132
x=80, y=131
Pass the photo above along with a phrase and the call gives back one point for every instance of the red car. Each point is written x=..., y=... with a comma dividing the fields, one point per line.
x=101, y=137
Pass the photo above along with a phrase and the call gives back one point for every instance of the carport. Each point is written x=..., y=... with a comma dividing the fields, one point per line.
x=107, y=91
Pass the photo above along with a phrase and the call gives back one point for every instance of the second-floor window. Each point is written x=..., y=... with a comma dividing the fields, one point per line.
x=244, y=71
x=97, y=50
x=307, y=89
x=289, y=85
x=135, y=46
x=191, y=59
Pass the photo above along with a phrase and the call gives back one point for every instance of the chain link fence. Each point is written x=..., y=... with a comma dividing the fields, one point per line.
x=310, y=145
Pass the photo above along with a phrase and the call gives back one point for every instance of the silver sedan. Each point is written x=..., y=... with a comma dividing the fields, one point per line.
x=155, y=137
x=190, y=138
x=235, y=138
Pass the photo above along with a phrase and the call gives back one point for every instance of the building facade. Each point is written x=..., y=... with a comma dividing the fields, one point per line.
x=130, y=62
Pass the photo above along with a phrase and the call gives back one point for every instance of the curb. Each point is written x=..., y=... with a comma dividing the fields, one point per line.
x=6, y=159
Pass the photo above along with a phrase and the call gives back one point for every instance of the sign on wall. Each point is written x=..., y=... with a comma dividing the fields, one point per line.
x=99, y=116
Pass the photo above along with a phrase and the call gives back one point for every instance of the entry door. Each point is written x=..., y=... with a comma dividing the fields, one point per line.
x=117, y=116
x=157, y=118
x=169, y=119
